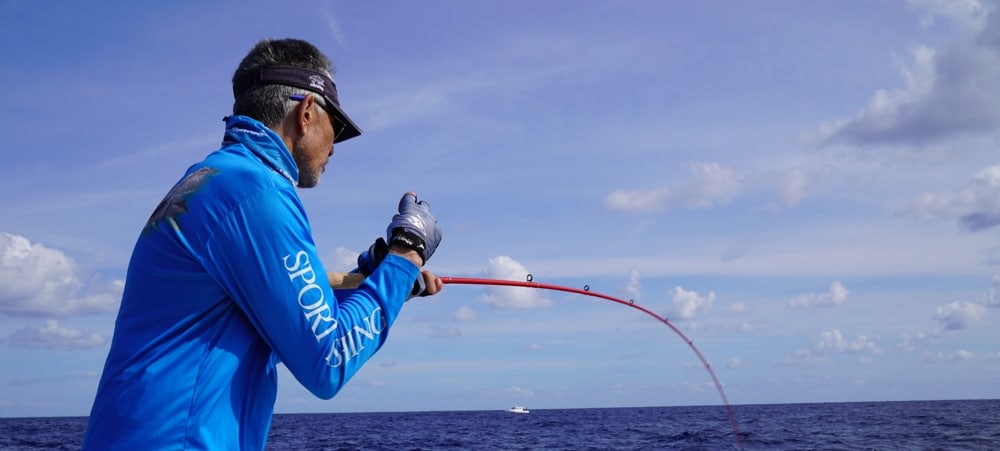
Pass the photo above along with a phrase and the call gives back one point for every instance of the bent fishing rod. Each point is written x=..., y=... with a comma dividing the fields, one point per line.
x=353, y=280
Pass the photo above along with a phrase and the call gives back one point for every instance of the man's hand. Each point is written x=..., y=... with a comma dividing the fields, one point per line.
x=427, y=284
x=414, y=228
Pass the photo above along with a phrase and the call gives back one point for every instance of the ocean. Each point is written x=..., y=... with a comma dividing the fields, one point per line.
x=905, y=425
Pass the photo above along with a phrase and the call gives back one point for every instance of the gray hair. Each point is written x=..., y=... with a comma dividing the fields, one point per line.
x=270, y=103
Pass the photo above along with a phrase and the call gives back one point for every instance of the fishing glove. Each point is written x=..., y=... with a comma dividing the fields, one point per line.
x=370, y=259
x=414, y=227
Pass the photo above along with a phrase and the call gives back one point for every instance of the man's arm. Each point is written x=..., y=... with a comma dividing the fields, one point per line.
x=264, y=256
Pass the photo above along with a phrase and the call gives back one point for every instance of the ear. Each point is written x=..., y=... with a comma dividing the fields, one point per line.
x=306, y=114
x=297, y=122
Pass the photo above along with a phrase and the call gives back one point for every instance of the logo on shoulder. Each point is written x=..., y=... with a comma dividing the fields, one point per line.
x=174, y=203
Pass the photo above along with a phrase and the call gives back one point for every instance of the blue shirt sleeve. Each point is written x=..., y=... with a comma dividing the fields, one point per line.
x=264, y=256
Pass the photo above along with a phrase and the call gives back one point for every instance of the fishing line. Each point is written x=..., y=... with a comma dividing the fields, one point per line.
x=629, y=303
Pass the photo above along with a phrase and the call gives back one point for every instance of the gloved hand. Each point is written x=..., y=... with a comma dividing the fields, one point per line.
x=370, y=259
x=414, y=227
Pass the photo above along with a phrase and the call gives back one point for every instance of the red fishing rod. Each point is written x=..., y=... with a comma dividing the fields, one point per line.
x=629, y=303
x=351, y=280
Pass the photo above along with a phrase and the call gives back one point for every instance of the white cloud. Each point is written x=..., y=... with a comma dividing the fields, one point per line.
x=334, y=25
x=466, y=313
x=788, y=185
x=687, y=304
x=908, y=342
x=970, y=14
x=342, y=259
x=804, y=358
x=960, y=315
x=829, y=342
x=976, y=207
x=444, y=332
x=638, y=200
x=413, y=104
x=834, y=341
x=39, y=281
x=518, y=392
x=993, y=298
x=793, y=186
x=992, y=256
x=506, y=268
x=53, y=335
x=948, y=91
x=837, y=295
x=633, y=286
x=710, y=185
x=942, y=357
x=735, y=362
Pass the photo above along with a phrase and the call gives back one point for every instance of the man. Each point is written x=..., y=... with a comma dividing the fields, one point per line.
x=225, y=282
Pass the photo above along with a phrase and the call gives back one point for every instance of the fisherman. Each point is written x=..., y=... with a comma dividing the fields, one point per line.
x=225, y=281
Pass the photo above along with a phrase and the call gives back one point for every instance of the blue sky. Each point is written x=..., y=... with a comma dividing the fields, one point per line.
x=809, y=190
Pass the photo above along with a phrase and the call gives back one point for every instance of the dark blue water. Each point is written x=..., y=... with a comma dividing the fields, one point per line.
x=912, y=425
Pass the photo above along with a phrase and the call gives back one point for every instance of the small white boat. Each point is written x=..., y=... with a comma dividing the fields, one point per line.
x=518, y=409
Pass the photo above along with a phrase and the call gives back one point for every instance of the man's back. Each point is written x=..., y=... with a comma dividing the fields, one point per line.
x=186, y=361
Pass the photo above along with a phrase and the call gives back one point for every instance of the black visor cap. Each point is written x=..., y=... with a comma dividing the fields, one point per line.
x=310, y=80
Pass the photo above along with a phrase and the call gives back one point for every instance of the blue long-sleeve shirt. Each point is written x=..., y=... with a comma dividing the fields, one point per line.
x=224, y=283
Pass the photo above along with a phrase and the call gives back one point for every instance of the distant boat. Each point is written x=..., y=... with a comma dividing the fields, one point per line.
x=518, y=409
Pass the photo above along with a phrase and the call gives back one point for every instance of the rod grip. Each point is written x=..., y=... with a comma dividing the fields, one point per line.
x=344, y=280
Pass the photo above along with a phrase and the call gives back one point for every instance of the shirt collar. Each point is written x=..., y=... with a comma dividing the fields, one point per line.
x=263, y=142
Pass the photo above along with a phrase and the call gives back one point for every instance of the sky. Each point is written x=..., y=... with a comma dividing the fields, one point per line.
x=810, y=191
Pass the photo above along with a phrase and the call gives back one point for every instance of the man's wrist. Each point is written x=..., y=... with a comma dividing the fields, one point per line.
x=407, y=253
x=400, y=237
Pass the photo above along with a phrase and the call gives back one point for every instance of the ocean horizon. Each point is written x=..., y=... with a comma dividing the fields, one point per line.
x=972, y=424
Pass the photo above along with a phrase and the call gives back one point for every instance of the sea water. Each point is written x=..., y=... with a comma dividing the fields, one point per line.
x=910, y=425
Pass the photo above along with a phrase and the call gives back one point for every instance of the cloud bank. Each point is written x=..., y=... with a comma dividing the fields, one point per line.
x=947, y=91
x=504, y=267
x=38, y=281
x=974, y=208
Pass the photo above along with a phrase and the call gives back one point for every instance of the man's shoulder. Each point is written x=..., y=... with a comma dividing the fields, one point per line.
x=236, y=158
x=232, y=175
x=242, y=168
